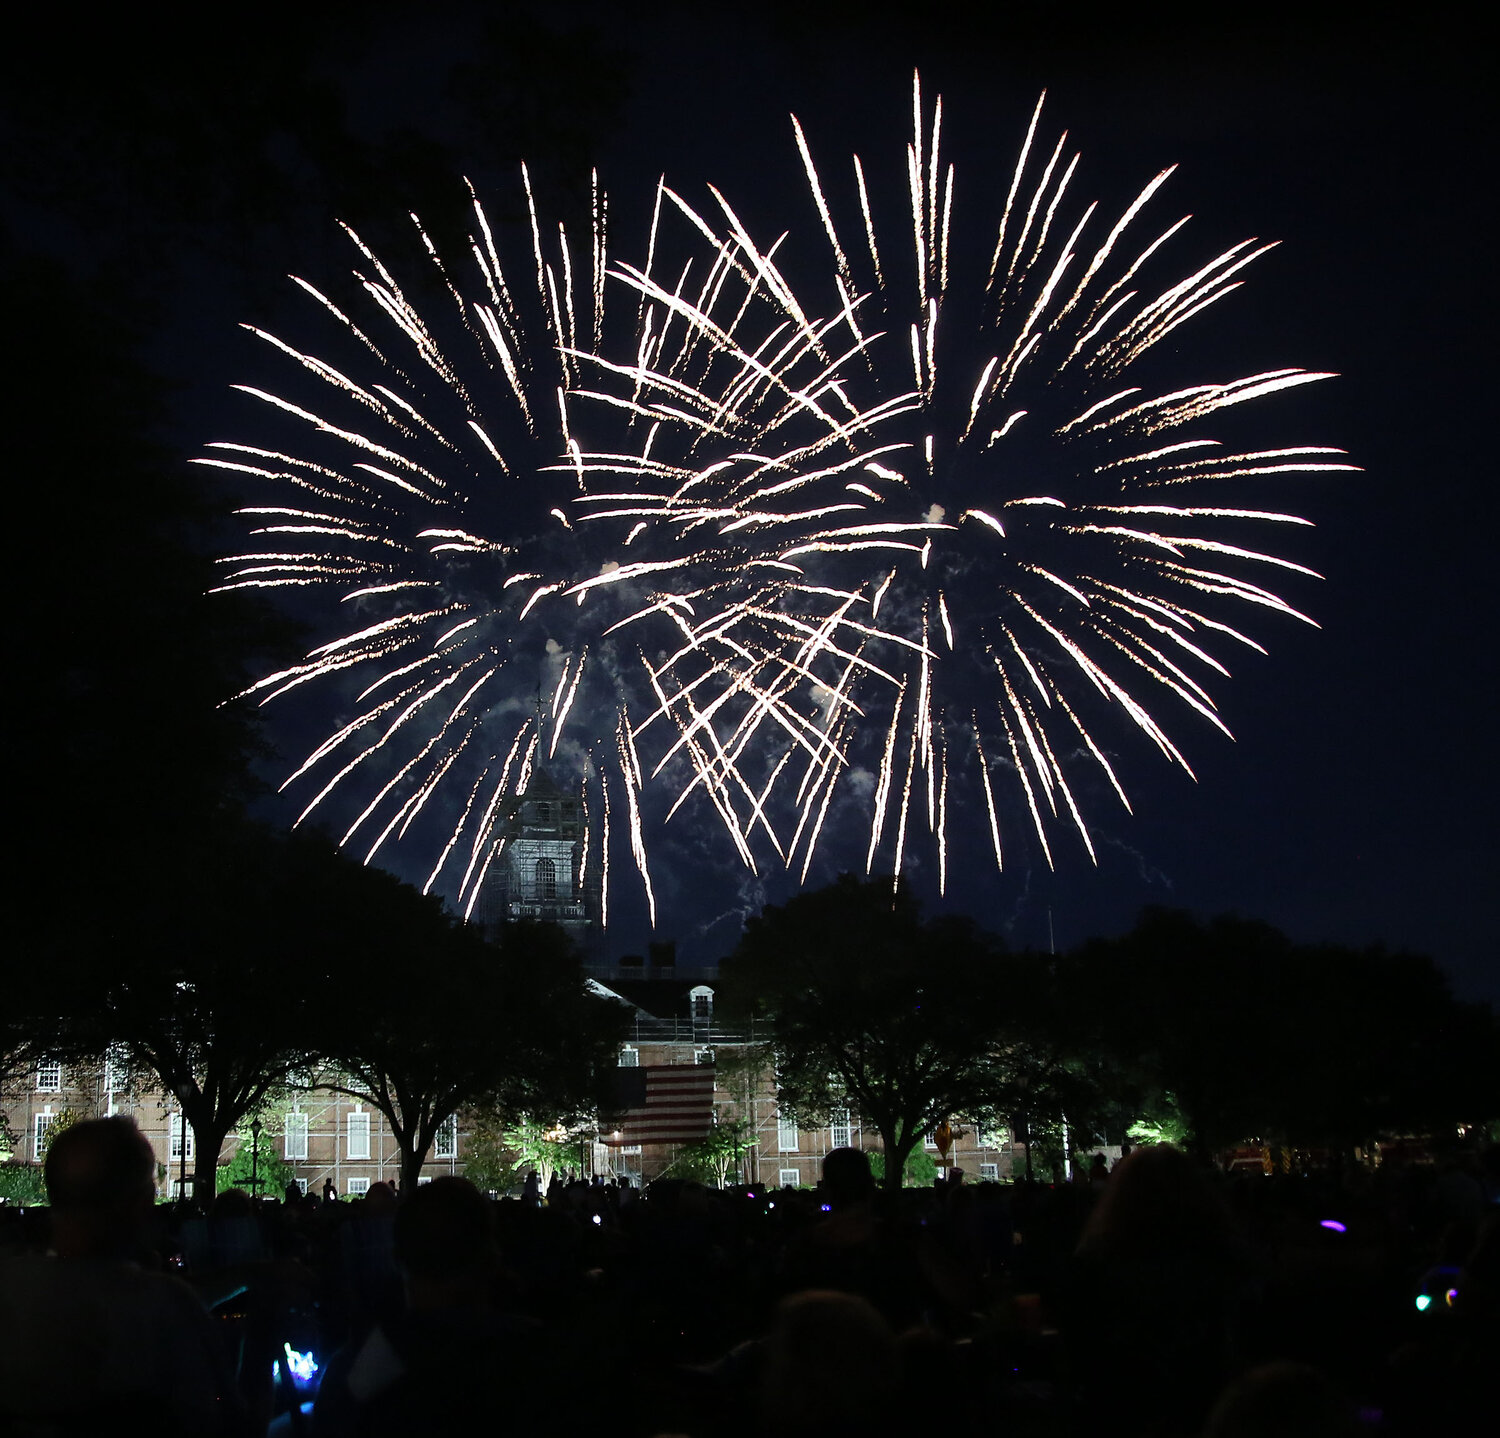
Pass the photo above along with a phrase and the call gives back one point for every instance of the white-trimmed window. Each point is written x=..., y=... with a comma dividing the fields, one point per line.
x=445, y=1142
x=356, y=1187
x=703, y=1056
x=357, y=1134
x=295, y=1145
x=790, y=1178
x=546, y=879
x=840, y=1129
x=701, y=1001
x=631, y=1148
x=41, y=1123
x=176, y=1127
x=786, y=1133
x=116, y=1072
x=49, y=1076
x=929, y=1142
x=423, y=1178
x=989, y=1173
x=630, y=1058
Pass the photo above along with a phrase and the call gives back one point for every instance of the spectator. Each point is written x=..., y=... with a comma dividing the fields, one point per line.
x=1155, y=1291
x=438, y=1366
x=821, y=1333
x=1282, y=1400
x=90, y=1342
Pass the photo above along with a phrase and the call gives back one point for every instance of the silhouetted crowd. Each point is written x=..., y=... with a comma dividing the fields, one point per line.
x=1158, y=1298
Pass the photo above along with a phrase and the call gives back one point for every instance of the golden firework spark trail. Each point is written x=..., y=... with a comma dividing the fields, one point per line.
x=736, y=467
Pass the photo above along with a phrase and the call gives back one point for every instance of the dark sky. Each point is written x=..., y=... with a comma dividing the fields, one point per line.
x=1356, y=803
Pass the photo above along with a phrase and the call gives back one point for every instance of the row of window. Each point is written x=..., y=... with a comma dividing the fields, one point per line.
x=357, y=1136
x=294, y=1145
x=630, y=1057
x=49, y=1075
x=792, y=1177
x=841, y=1134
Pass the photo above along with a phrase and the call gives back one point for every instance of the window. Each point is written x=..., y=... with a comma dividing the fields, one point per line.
x=929, y=1142
x=544, y=813
x=989, y=1173
x=630, y=1058
x=357, y=1134
x=840, y=1129
x=703, y=1056
x=356, y=1187
x=546, y=879
x=632, y=1148
x=175, y=1129
x=42, y=1123
x=49, y=1076
x=446, y=1143
x=296, y=1136
x=701, y=1001
x=790, y=1178
x=786, y=1133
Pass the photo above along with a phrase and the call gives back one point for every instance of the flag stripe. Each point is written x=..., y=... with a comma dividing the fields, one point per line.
x=677, y=1108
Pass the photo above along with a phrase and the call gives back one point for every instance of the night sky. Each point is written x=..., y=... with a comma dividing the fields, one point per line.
x=1356, y=802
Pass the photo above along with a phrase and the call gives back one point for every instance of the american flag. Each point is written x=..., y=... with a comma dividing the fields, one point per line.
x=666, y=1103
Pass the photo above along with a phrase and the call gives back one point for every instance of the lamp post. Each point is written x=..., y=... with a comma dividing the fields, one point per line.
x=255, y=1157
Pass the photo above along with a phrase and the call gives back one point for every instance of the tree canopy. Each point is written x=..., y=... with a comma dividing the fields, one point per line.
x=435, y=1015
x=901, y=1019
x=1257, y=1036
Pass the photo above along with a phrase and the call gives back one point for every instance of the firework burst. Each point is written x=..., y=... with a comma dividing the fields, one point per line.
x=1001, y=534
x=665, y=520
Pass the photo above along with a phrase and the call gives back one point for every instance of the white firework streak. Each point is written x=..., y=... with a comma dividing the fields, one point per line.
x=900, y=474
x=838, y=512
x=464, y=620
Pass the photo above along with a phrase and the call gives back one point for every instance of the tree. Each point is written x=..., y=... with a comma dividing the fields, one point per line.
x=503, y=1148
x=709, y=1159
x=256, y=1168
x=223, y=998
x=447, y=1018
x=1255, y=1036
x=903, y=1021
x=22, y=1184
x=920, y=1170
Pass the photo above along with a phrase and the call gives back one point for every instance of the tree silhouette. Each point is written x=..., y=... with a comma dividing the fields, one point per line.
x=905, y=1022
x=436, y=1016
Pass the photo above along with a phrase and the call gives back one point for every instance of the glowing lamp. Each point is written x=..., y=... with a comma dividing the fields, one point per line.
x=1333, y=1225
x=1424, y=1302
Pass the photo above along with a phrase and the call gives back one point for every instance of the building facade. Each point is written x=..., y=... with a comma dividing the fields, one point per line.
x=674, y=1023
x=320, y=1135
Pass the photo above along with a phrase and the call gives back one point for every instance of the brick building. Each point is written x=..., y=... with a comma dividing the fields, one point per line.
x=674, y=1023
x=319, y=1134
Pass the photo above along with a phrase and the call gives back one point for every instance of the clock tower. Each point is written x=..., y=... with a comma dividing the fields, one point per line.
x=539, y=871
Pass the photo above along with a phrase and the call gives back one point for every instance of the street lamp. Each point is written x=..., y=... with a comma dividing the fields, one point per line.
x=255, y=1157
